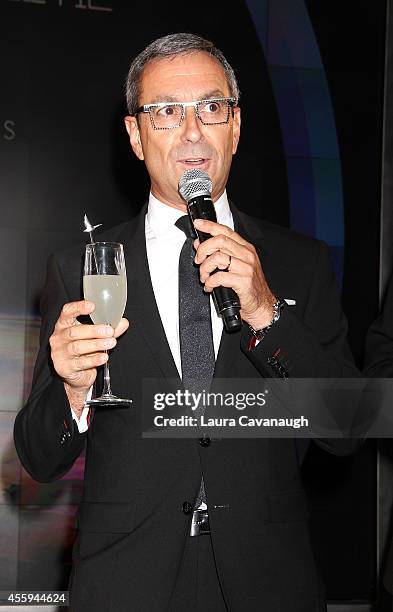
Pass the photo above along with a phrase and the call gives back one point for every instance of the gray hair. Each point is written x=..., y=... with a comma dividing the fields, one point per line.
x=174, y=44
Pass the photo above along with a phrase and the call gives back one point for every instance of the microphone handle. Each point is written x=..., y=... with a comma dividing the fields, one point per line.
x=225, y=298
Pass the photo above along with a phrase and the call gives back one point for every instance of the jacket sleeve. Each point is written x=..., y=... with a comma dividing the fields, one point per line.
x=313, y=346
x=45, y=434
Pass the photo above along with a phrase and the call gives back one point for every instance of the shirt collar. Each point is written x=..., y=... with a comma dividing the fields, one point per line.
x=161, y=218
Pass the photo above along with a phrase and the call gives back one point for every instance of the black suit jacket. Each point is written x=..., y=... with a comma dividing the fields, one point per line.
x=132, y=527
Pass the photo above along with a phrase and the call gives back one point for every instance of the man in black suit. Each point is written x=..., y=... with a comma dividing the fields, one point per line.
x=243, y=497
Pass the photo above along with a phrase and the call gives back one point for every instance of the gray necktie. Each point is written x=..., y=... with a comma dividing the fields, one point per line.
x=195, y=328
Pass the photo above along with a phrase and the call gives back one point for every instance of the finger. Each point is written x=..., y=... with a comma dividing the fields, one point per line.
x=217, y=260
x=222, y=279
x=72, y=310
x=87, y=347
x=122, y=327
x=86, y=332
x=215, y=229
x=86, y=339
x=88, y=362
x=238, y=277
x=226, y=245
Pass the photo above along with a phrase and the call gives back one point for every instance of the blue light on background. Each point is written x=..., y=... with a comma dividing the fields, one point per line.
x=307, y=121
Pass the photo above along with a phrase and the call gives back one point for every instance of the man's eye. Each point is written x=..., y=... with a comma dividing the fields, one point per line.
x=166, y=111
x=212, y=107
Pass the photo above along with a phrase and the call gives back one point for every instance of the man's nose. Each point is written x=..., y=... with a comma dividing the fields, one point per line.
x=191, y=125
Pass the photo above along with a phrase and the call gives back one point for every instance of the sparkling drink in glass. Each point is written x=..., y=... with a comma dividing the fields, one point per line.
x=105, y=284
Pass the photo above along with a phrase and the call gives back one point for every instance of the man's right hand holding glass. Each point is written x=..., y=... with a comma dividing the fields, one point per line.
x=77, y=350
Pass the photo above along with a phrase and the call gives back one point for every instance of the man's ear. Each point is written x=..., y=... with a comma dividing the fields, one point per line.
x=132, y=128
x=236, y=129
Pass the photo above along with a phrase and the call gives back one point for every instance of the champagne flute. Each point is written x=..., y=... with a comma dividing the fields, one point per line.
x=105, y=284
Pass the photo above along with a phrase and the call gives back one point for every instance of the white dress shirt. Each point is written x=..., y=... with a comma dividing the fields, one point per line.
x=164, y=242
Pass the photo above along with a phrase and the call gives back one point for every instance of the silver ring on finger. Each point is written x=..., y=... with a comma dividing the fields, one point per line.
x=229, y=264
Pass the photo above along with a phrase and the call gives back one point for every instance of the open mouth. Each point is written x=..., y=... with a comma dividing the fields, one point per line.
x=194, y=161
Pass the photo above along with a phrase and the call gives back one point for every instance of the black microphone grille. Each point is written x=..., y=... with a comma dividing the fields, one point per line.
x=194, y=183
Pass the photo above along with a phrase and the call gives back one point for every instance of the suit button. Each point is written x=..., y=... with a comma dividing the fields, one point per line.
x=204, y=441
x=186, y=507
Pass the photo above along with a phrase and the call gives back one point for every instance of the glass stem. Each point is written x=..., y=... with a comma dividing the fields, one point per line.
x=107, y=379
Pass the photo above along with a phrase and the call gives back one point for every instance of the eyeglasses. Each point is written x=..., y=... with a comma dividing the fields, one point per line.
x=170, y=115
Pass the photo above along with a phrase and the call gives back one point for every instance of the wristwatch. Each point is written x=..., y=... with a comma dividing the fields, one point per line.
x=259, y=334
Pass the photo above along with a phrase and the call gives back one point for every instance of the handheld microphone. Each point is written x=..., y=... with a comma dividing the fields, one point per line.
x=195, y=187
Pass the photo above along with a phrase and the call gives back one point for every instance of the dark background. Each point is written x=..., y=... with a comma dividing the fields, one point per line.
x=343, y=493
x=351, y=37
x=64, y=152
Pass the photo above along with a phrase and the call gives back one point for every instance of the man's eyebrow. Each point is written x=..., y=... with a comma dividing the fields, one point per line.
x=216, y=93
x=164, y=98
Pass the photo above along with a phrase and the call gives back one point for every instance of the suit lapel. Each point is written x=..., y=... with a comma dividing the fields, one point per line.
x=141, y=309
